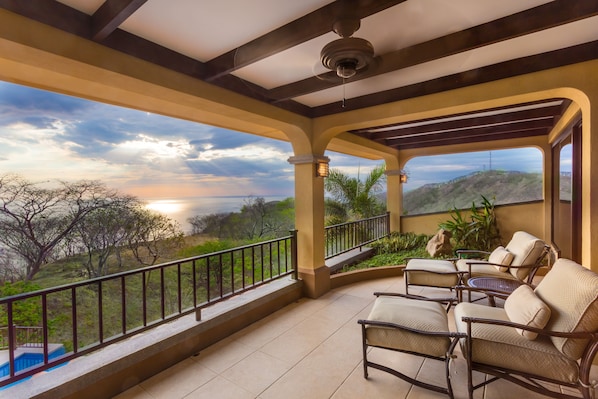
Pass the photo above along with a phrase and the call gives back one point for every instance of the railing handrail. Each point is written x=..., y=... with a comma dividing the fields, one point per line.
x=356, y=221
x=376, y=226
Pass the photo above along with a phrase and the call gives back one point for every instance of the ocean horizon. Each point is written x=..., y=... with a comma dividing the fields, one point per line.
x=181, y=209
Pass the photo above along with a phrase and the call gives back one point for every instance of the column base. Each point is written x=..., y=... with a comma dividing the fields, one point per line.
x=316, y=282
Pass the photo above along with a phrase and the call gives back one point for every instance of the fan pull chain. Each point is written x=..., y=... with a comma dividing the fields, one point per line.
x=343, y=105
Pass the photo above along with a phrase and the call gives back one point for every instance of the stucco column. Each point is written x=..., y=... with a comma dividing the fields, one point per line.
x=394, y=198
x=309, y=222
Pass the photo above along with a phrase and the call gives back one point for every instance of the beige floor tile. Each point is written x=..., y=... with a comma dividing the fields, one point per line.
x=365, y=289
x=378, y=385
x=220, y=388
x=321, y=372
x=256, y=372
x=295, y=344
x=223, y=355
x=502, y=389
x=178, y=380
x=134, y=393
x=343, y=309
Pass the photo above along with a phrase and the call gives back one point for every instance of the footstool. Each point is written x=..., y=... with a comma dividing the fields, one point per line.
x=417, y=327
x=431, y=273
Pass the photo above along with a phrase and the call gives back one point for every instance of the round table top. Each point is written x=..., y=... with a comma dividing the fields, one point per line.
x=497, y=284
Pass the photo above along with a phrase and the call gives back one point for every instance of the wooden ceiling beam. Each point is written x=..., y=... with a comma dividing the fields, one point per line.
x=310, y=26
x=546, y=113
x=471, y=132
x=111, y=15
x=474, y=139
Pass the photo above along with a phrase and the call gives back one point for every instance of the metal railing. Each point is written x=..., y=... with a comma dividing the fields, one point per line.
x=89, y=315
x=26, y=337
x=344, y=237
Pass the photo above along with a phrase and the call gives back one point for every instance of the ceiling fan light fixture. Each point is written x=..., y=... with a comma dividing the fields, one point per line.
x=346, y=68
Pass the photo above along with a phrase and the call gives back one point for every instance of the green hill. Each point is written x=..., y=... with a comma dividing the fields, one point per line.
x=500, y=186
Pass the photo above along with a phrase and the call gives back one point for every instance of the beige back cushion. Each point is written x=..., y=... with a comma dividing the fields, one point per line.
x=526, y=250
x=524, y=307
x=502, y=257
x=571, y=292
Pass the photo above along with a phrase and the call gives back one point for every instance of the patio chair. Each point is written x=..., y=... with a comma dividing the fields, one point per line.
x=414, y=325
x=519, y=260
x=542, y=336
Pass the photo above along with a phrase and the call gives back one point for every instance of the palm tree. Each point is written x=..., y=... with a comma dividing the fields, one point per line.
x=352, y=199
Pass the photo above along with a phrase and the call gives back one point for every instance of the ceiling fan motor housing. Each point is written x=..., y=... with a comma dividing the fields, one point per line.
x=347, y=55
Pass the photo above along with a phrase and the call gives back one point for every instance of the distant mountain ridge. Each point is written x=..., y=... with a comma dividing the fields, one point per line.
x=501, y=187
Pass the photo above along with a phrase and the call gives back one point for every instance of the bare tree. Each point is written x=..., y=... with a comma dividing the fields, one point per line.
x=35, y=217
x=104, y=232
x=151, y=234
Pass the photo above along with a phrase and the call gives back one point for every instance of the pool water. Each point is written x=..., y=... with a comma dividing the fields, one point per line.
x=29, y=359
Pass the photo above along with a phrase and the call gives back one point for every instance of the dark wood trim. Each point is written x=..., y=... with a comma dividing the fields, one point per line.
x=52, y=13
x=576, y=191
x=296, y=32
x=547, y=114
x=471, y=133
x=549, y=15
x=110, y=15
x=507, y=69
x=472, y=139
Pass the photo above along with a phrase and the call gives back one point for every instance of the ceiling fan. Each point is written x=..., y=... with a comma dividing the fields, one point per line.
x=347, y=55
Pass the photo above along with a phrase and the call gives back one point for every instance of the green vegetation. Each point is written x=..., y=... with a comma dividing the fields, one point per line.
x=504, y=187
x=395, y=249
x=478, y=231
x=353, y=199
x=257, y=220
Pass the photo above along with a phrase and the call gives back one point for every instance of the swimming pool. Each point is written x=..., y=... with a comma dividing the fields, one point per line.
x=29, y=359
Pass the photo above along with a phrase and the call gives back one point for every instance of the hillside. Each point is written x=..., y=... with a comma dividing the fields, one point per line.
x=500, y=186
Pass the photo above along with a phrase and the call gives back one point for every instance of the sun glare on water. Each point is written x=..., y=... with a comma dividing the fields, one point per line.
x=165, y=206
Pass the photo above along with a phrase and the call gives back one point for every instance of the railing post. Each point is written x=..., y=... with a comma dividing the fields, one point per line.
x=294, y=254
x=387, y=222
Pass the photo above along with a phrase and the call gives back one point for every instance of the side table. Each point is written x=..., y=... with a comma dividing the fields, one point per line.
x=494, y=284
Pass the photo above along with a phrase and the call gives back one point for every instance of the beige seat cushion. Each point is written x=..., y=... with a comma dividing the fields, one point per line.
x=502, y=346
x=571, y=292
x=482, y=268
x=431, y=273
x=501, y=256
x=526, y=250
x=415, y=314
x=524, y=307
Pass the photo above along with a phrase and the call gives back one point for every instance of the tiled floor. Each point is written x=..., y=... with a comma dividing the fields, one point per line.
x=310, y=349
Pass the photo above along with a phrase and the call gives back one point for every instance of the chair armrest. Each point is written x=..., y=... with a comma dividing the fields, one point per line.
x=593, y=336
x=421, y=258
x=433, y=271
x=448, y=301
x=410, y=296
x=470, y=252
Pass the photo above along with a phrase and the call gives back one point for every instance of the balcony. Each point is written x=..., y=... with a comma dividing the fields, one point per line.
x=308, y=349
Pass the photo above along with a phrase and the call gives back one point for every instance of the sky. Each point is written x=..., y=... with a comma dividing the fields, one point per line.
x=46, y=136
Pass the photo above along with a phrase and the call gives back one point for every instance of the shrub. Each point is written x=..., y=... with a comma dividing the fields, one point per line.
x=398, y=242
x=480, y=231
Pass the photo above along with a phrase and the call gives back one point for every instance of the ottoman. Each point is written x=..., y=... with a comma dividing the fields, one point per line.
x=431, y=273
x=417, y=327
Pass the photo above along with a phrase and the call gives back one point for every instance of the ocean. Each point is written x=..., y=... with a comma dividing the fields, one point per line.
x=180, y=209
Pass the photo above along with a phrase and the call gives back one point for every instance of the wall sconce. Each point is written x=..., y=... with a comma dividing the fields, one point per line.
x=322, y=169
x=403, y=176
